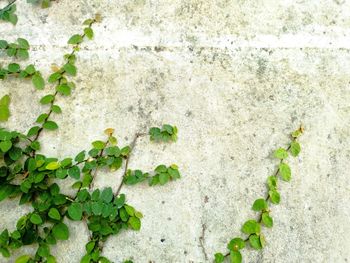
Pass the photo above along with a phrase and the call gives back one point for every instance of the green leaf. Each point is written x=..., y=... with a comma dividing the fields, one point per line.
x=235, y=257
x=219, y=258
x=259, y=204
x=56, y=109
x=47, y=99
x=75, y=39
x=281, y=153
x=3, y=44
x=38, y=81
x=54, y=77
x=107, y=195
x=5, y=252
x=95, y=195
x=70, y=69
x=80, y=157
x=285, y=172
x=274, y=197
x=236, y=244
x=30, y=69
x=54, y=214
x=15, y=153
x=6, y=190
x=254, y=241
x=33, y=131
x=4, y=108
x=53, y=166
x=36, y=219
x=134, y=223
x=74, y=172
x=163, y=178
x=295, y=148
x=297, y=133
x=60, y=231
x=23, y=43
x=113, y=151
x=272, y=182
x=97, y=208
x=75, y=211
x=14, y=68
x=50, y=125
x=45, y=3
x=22, y=53
x=251, y=227
x=42, y=118
x=89, y=33
x=5, y=146
x=23, y=259
x=64, y=89
x=267, y=220
x=88, y=22
x=99, y=145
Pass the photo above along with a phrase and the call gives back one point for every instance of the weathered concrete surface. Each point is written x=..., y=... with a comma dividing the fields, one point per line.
x=236, y=77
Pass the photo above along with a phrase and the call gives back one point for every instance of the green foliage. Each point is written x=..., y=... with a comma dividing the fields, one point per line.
x=161, y=175
x=32, y=177
x=19, y=49
x=29, y=72
x=253, y=228
x=165, y=134
x=8, y=13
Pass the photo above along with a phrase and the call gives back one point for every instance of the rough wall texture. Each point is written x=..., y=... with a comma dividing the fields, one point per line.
x=236, y=77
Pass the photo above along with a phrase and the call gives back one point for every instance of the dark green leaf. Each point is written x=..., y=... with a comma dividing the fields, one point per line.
x=74, y=172
x=75, y=211
x=54, y=214
x=60, y=231
x=36, y=219
x=47, y=99
x=50, y=125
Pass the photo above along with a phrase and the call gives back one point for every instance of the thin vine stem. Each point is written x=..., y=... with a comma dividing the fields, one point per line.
x=132, y=146
x=8, y=5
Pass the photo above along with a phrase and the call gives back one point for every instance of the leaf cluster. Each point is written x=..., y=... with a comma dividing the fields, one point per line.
x=8, y=14
x=161, y=175
x=19, y=49
x=165, y=134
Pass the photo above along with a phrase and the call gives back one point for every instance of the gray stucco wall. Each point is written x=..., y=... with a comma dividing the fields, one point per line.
x=235, y=77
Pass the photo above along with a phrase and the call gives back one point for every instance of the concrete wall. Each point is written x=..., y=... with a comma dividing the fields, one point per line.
x=235, y=77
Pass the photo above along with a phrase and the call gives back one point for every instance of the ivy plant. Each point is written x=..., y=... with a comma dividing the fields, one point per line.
x=7, y=13
x=33, y=177
x=253, y=228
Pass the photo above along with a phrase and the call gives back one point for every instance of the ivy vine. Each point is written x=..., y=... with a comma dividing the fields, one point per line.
x=33, y=177
x=8, y=12
x=252, y=228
